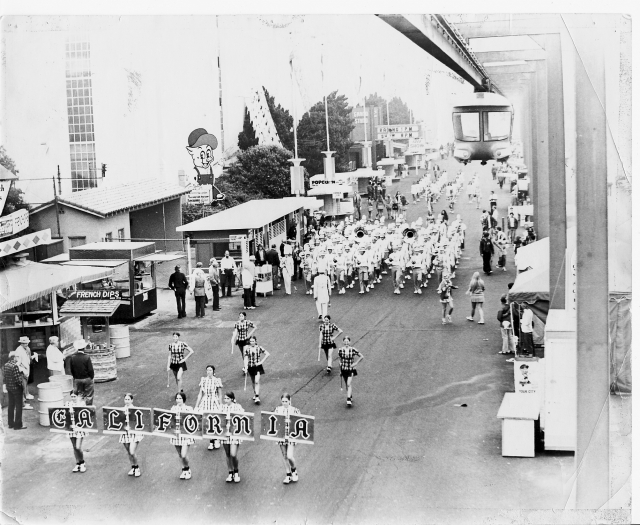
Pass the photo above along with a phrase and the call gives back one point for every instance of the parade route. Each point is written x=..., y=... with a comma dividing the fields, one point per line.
x=405, y=452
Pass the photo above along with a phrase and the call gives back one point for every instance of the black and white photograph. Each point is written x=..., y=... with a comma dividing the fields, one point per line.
x=327, y=264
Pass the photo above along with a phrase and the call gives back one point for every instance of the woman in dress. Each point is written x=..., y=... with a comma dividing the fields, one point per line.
x=76, y=436
x=287, y=447
x=444, y=290
x=254, y=357
x=130, y=440
x=348, y=370
x=177, y=361
x=326, y=339
x=210, y=397
x=231, y=444
x=476, y=291
x=182, y=443
x=241, y=334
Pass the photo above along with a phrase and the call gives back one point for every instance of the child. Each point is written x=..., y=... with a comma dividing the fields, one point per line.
x=444, y=290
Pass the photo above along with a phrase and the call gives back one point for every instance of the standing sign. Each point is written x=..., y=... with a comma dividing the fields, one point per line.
x=404, y=131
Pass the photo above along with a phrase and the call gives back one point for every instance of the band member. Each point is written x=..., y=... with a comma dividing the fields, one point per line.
x=210, y=397
x=287, y=447
x=182, y=443
x=231, y=444
x=241, y=334
x=76, y=436
x=322, y=293
x=326, y=340
x=362, y=264
x=130, y=440
x=253, y=360
x=177, y=361
x=348, y=370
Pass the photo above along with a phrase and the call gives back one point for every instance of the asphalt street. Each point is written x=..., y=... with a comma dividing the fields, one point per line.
x=405, y=453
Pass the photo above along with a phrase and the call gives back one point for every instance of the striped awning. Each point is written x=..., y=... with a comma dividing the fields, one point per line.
x=21, y=284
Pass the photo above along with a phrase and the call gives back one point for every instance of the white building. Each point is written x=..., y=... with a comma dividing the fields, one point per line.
x=80, y=92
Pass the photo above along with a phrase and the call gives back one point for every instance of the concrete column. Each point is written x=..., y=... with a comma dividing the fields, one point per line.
x=526, y=125
x=557, y=174
x=533, y=168
x=592, y=452
x=541, y=210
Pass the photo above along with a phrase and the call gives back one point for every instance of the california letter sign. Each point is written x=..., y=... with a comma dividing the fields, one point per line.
x=301, y=429
x=241, y=425
x=121, y=420
x=272, y=426
x=190, y=424
x=68, y=419
x=164, y=422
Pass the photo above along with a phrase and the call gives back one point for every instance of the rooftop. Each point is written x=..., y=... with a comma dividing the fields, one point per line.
x=250, y=215
x=110, y=200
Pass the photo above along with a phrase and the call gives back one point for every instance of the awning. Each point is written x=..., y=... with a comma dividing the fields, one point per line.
x=89, y=308
x=162, y=256
x=110, y=263
x=327, y=189
x=534, y=255
x=532, y=287
x=21, y=284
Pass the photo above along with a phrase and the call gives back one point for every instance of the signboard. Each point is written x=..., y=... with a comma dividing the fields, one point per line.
x=68, y=419
x=102, y=295
x=337, y=195
x=14, y=222
x=115, y=420
x=527, y=376
x=274, y=427
x=402, y=131
x=200, y=195
x=222, y=425
x=4, y=191
x=190, y=424
x=164, y=423
x=25, y=242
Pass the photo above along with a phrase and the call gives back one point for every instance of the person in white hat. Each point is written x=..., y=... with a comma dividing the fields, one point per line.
x=322, y=293
x=24, y=355
x=55, y=358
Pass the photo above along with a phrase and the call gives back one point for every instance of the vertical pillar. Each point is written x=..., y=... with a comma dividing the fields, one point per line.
x=533, y=168
x=592, y=452
x=542, y=170
x=557, y=175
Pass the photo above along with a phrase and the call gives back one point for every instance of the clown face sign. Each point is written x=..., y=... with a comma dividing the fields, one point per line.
x=201, y=148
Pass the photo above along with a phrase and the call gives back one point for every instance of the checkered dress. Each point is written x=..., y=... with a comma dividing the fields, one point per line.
x=254, y=353
x=210, y=400
x=176, y=350
x=232, y=407
x=327, y=331
x=286, y=411
x=243, y=329
x=76, y=433
x=130, y=437
x=347, y=354
x=179, y=439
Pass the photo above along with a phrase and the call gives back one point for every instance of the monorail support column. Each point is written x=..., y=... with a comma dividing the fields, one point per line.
x=541, y=210
x=533, y=169
x=592, y=451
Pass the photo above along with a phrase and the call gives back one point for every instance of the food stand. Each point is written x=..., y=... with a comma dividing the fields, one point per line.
x=134, y=265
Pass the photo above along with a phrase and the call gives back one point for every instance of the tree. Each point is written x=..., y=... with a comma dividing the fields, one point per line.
x=282, y=121
x=312, y=133
x=398, y=112
x=379, y=102
x=15, y=197
x=247, y=137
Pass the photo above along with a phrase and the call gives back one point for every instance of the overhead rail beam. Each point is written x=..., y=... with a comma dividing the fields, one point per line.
x=443, y=42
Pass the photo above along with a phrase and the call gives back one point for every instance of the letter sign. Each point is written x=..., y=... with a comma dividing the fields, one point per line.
x=60, y=419
x=301, y=429
x=85, y=418
x=242, y=426
x=164, y=422
x=190, y=424
x=272, y=426
x=212, y=425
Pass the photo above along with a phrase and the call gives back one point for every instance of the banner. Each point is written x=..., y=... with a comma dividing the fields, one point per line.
x=101, y=295
x=165, y=423
x=68, y=419
x=300, y=430
x=272, y=426
x=114, y=420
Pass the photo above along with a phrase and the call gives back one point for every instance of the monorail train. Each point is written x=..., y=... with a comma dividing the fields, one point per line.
x=482, y=126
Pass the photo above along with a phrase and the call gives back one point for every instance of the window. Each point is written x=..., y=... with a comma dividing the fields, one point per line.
x=466, y=126
x=77, y=241
x=80, y=115
x=496, y=125
x=108, y=237
x=121, y=234
x=276, y=228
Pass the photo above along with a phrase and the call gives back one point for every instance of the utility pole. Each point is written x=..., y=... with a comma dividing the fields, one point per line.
x=55, y=200
x=59, y=182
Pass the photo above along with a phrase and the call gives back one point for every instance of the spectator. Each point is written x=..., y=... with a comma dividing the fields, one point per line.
x=251, y=266
x=82, y=372
x=228, y=267
x=504, y=318
x=24, y=355
x=322, y=293
x=247, y=284
x=476, y=291
x=214, y=282
x=486, y=251
x=501, y=243
x=198, y=284
x=261, y=255
x=512, y=224
x=55, y=358
x=526, y=331
x=179, y=284
x=14, y=387
x=274, y=260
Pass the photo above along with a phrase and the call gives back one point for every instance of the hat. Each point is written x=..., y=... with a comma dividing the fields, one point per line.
x=252, y=257
x=199, y=137
x=177, y=267
x=54, y=339
x=24, y=339
x=79, y=344
x=198, y=265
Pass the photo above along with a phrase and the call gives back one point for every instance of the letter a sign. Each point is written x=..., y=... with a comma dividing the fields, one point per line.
x=301, y=429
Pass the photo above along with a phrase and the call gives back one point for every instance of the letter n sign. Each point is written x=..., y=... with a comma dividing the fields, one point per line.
x=241, y=426
x=272, y=426
x=301, y=429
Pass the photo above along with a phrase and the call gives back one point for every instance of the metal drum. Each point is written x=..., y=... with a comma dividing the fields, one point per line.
x=104, y=364
x=120, y=340
x=65, y=382
x=49, y=395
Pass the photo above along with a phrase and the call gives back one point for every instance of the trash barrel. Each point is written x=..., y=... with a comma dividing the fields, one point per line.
x=49, y=395
x=65, y=382
x=120, y=340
